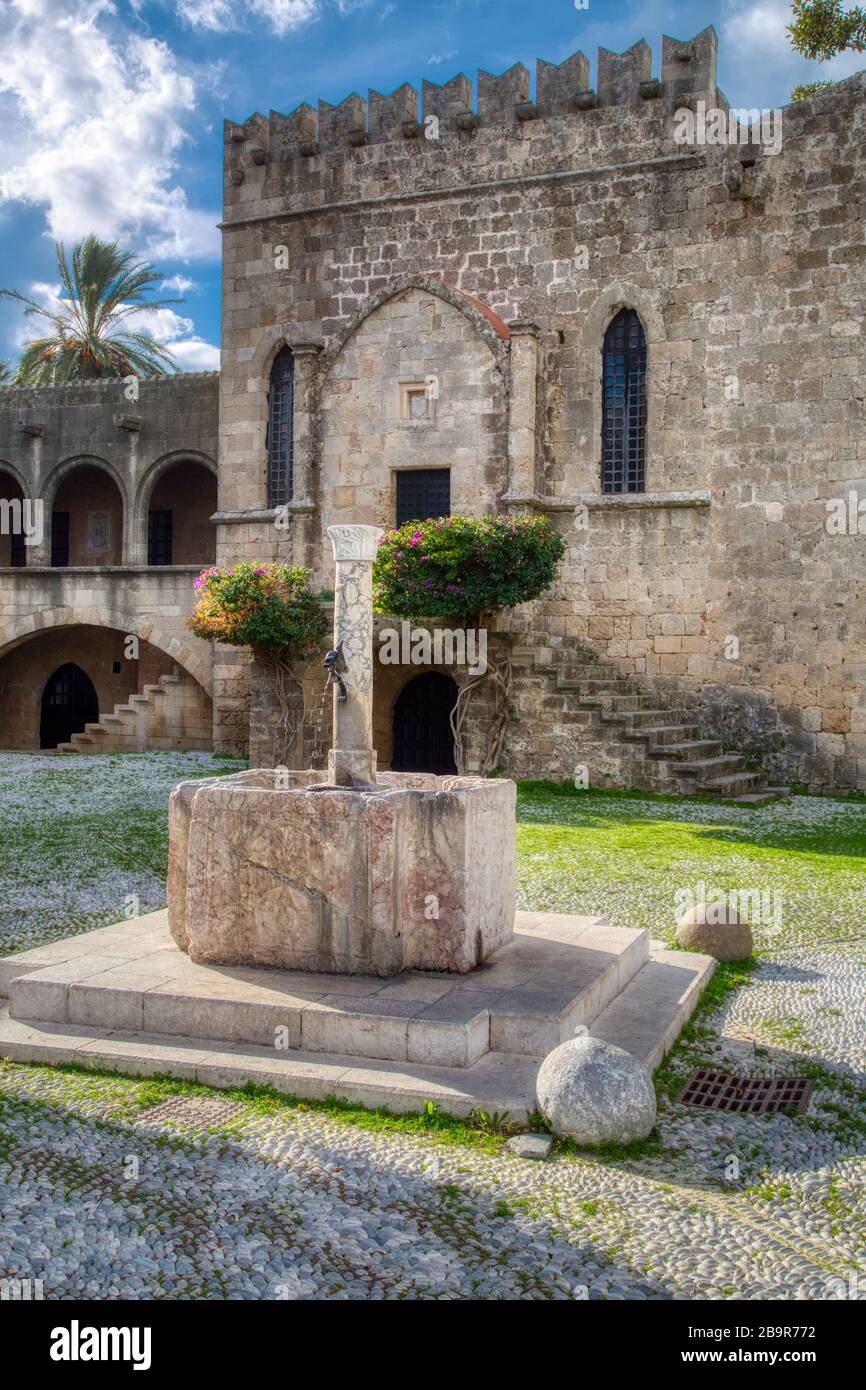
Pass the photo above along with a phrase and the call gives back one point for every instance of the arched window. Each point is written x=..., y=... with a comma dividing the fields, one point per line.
x=623, y=426
x=280, y=411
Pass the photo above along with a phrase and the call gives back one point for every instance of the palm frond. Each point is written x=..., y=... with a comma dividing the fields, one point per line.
x=102, y=287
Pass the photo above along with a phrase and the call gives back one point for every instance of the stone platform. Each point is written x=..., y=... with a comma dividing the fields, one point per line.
x=125, y=997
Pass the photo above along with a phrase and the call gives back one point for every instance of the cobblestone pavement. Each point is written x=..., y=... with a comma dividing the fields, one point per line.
x=104, y=1197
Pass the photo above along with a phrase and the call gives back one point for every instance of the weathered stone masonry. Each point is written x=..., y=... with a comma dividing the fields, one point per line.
x=85, y=447
x=747, y=272
x=491, y=259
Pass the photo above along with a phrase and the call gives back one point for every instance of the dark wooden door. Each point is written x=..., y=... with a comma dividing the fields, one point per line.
x=69, y=701
x=422, y=732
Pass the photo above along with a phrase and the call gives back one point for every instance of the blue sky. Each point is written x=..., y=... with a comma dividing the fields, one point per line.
x=111, y=110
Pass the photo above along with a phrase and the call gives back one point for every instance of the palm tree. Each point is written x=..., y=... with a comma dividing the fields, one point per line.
x=5, y=374
x=87, y=339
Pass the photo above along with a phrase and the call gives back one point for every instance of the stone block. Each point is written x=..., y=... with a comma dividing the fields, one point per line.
x=417, y=873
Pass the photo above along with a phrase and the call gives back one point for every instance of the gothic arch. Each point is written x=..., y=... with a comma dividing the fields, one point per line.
x=487, y=324
x=263, y=358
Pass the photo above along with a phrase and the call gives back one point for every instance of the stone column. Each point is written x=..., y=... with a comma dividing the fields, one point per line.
x=301, y=506
x=521, y=416
x=352, y=761
x=39, y=554
x=305, y=356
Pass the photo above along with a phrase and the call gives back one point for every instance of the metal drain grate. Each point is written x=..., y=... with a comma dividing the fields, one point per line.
x=194, y=1112
x=756, y=1095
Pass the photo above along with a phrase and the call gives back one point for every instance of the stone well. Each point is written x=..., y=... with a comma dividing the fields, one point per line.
x=275, y=869
x=353, y=872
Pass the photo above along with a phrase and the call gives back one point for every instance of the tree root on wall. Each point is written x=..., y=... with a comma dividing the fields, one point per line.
x=291, y=721
x=495, y=737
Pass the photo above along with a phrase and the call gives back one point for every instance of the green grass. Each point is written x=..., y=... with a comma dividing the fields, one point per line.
x=627, y=855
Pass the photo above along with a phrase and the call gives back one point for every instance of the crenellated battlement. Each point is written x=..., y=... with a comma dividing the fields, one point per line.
x=504, y=101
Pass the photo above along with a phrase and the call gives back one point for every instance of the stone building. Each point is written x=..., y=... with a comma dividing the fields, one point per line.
x=574, y=300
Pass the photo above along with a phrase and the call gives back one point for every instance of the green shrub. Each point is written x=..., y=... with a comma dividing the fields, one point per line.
x=269, y=607
x=461, y=566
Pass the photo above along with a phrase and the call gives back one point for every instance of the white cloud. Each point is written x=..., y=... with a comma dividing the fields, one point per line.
x=94, y=123
x=196, y=355
x=436, y=58
x=179, y=284
x=225, y=15
x=756, y=46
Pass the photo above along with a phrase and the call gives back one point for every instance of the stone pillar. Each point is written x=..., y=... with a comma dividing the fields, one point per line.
x=521, y=418
x=352, y=761
x=39, y=554
x=305, y=357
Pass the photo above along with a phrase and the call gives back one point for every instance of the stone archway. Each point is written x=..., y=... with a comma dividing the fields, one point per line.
x=183, y=485
x=13, y=633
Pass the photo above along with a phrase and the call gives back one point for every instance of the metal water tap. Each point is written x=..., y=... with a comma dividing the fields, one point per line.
x=335, y=664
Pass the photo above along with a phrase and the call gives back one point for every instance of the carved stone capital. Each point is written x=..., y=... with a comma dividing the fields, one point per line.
x=355, y=542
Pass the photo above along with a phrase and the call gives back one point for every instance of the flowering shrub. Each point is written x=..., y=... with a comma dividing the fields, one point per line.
x=461, y=566
x=270, y=607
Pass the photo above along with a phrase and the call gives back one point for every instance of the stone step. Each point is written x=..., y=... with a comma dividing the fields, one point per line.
x=681, y=760
x=692, y=753
x=595, y=687
x=624, y=704
x=644, y=1019
x=764, y=797
x=636, y=718
x=706, y=767
x=661, y=733
x=557, y=973
x=733, y=783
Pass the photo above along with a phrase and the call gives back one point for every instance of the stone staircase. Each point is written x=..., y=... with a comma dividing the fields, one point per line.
x=174, y=714
x=622, y=732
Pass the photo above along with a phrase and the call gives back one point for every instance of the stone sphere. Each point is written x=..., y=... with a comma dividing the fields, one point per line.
x=591, y=1091
x=716, y=930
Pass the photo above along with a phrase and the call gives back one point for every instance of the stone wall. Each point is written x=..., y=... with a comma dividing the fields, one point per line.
x=84, y=447
x=415, y=386
x=546, y=216
x=487, y=249
x=25, y=670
